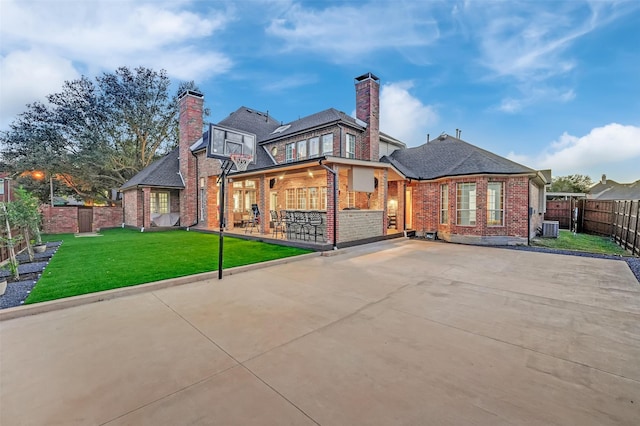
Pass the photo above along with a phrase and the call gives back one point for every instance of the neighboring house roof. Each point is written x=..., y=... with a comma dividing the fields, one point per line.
x=161, y=173
x=449, y=156
x=612, y=190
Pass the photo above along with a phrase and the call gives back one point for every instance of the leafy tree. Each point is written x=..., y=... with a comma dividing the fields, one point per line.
x=94, y=136
x=571, y=183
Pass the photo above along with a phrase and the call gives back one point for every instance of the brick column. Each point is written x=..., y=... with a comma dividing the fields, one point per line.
x=190, y=124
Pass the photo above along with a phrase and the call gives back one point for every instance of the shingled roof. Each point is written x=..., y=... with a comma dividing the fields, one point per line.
x=449, y=156
x=162, y=173
x=318, y=119
x=612, y=190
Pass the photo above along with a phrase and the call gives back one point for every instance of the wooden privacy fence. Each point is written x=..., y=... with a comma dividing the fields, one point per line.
x=626, y=227
x=596, y=217
x=618, y=219
x=20, y=245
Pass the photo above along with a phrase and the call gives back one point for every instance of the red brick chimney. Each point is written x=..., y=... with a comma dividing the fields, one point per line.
x=191, y=123
x=368, y=110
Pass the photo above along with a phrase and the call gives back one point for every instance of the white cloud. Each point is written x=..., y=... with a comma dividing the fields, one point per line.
x=72, y=38
x=613, y=148
x=404, y=116
x=344, y=33
x=530, y=43
x=28, y=76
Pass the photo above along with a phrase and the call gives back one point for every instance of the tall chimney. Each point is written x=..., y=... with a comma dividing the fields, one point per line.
x=368, y=110
x=191, y=123
x=604, y=179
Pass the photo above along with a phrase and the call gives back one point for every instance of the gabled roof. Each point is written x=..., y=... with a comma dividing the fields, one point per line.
x=612, y=190
x=161, y=173
x=449, y=156
x=312, y=121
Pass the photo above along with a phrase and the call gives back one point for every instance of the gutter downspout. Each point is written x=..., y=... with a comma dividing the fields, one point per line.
x=529, y=211
x=335, y=200
x=197, y=194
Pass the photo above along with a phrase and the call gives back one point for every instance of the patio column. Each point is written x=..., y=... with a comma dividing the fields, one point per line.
x=262, y=204
x=385, y=200
x=146, y=207
x=332, y=203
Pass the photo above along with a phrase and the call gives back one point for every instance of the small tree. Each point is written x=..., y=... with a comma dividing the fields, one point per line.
x=9, y=241
x=23, y=213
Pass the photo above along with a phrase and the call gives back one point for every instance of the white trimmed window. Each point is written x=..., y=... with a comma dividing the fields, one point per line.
x=351, y=146
x=302, y=150
x=302, y=198
x=290, y=202
x=323, y=198
x=495, y=204
x=314, y=147
x=327, y=144
x=444, y=204
x=351, y=199
x=290, y=152
x=160, y=202
x=466, y=204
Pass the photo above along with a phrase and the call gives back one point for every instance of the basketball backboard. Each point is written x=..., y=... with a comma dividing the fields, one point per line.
x=224, y=141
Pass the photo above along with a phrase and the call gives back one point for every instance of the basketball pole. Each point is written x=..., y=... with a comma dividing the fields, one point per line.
x=222, y=209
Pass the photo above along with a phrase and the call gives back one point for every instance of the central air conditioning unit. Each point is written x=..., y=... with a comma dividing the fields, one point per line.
x=550, y=228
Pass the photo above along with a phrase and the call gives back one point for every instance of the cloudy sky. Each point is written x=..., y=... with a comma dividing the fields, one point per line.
x=550, y=84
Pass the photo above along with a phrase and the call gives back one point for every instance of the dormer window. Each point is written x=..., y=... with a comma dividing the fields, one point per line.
x=281, y=129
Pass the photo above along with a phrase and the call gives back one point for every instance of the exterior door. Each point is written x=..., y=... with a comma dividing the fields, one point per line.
x=85, y=220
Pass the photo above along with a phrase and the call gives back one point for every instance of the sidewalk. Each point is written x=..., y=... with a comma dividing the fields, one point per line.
x=397, y=332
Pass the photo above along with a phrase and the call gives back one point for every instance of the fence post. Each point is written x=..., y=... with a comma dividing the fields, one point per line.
x=636, y=242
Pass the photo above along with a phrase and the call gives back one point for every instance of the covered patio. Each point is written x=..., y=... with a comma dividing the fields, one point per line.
x=322, y=201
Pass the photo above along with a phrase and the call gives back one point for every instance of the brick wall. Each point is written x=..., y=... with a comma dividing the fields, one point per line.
x=426, y=210
x=191, y=123
x=63, y=220
x=368, y=110
x=359, y=224
x=107, y=217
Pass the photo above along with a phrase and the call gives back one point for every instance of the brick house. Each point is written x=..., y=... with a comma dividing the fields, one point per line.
x=366, y=184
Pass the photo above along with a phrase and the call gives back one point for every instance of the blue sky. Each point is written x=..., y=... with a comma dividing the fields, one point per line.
x=550, y=84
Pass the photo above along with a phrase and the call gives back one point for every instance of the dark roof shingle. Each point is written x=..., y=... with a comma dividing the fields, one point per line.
x=449, y=156
x=161, y=173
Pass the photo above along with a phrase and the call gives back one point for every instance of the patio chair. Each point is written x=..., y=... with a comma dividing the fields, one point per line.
x=300, y=223
x=286, y=217
x=314, y=221
x=276, y=223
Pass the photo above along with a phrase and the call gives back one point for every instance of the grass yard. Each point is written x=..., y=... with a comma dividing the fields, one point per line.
x=124, y=257
x=580, y=242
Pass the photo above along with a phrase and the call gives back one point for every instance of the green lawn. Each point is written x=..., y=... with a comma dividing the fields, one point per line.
x=580, y=242
x=124, y=257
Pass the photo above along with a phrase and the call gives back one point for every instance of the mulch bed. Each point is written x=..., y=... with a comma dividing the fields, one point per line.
x=30, y=272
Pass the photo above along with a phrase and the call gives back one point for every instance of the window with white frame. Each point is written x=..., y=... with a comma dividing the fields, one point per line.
x=351, y=146
x=1, y=186
x=466, y=204
x=314, y=147
x=302, y=150
x=290, y=200
x=314, y=201
x=323, y=198
x=302, y=198
x=327, y=144
x=495, y=204
x=444, y=204
x=160, y=202
x=351, y=199
x=290, y=152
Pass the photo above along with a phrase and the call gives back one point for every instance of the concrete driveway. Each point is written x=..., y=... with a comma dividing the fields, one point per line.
x=400, y=332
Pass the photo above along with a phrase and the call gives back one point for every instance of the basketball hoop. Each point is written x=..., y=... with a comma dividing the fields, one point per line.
x=241, y=161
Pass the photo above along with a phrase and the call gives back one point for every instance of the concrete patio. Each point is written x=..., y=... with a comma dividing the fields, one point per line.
x=397, y=332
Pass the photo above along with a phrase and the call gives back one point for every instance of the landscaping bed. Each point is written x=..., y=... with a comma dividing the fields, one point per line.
x=17, y=291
